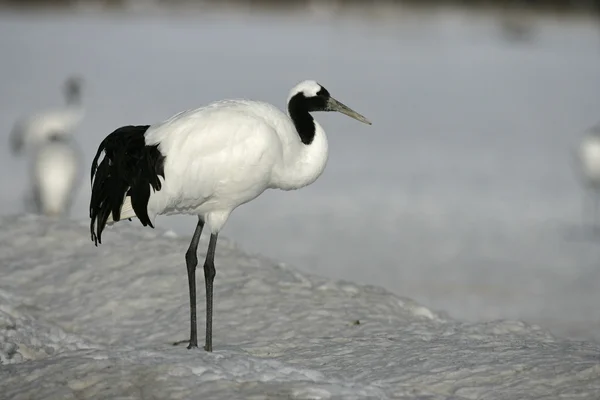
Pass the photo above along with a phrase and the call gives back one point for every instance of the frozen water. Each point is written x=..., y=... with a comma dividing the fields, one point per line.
x=80, y=322
x=461, y=195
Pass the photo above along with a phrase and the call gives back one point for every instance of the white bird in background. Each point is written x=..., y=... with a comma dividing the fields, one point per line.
x=588, y=155
x=55, y=173
x=54, y=158
x=206, y=162
x=35, y=129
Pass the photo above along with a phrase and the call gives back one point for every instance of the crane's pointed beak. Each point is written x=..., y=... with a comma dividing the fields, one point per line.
x=334, y=105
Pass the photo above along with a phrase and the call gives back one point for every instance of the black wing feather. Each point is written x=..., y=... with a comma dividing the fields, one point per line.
x=129, y=168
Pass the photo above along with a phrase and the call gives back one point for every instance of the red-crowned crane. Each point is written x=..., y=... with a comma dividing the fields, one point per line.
x=206, y=162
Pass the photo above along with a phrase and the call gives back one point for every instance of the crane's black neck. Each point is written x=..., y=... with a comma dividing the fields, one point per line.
x=305, y=124
x=300, y=108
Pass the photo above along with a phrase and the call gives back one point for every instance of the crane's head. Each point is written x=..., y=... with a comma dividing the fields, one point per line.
x=311, y=96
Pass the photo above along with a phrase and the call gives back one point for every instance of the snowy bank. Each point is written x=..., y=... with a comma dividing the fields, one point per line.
x=78, y=321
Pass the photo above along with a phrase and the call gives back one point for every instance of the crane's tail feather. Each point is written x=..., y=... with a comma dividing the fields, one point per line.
x=121, y=181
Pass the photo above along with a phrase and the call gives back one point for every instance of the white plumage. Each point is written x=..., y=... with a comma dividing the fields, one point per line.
x=256, y=148
x=207, y=162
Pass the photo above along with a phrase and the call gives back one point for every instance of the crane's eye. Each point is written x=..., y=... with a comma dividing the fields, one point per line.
x=323, y=93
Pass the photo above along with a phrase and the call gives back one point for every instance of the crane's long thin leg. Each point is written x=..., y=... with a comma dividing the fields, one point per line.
x=191, y=259
x=209, y=277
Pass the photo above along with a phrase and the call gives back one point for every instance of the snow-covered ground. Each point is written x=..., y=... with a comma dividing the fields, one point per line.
x=80, y=322
x=461, y=195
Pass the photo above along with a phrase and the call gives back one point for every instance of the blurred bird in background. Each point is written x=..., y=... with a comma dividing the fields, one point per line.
x=54, y=158
x=588, y=156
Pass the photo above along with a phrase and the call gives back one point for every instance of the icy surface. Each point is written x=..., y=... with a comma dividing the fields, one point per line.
x=80, y=322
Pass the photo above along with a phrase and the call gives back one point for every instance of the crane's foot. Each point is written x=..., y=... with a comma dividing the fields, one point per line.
x=190, y=344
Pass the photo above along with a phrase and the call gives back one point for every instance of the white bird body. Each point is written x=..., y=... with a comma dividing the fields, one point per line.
x=228, y=153
x=55, y=173
x=207, y=162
